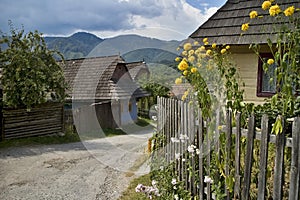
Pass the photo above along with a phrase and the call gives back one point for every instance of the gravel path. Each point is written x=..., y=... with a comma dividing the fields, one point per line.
x=95, y=169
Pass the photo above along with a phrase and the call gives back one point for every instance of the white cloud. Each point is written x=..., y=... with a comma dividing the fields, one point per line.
x=163, y=19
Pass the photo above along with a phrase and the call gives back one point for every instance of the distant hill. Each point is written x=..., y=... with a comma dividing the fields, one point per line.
x=126, y=43
x=130, y=47
x=151, y=55
x=78, y=45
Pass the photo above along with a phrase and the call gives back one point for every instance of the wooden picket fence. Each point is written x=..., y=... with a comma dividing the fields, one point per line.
x=177, y=118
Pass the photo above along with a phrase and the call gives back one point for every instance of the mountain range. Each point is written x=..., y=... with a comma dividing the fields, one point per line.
x=131, y=47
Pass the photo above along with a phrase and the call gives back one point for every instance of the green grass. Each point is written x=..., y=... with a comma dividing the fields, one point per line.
x=69, y=137
x=130, y=194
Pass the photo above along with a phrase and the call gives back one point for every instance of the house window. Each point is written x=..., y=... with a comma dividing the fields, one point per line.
x=266, y=81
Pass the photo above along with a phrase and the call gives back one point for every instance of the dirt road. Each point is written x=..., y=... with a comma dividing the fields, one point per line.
x=96, y=169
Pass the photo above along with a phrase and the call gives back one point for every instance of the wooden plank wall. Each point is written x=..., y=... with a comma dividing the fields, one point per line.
x=181, y=125
x=45, y=119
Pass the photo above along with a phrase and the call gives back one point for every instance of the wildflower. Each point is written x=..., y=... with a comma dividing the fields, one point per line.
x=185, y=72
x=177, y=59
x=154, y=118
x=184, y=53
x=223, y=51
x=196, y=43
x=176, y=197
x=173, y=181
x=187, y=46
x=253, y=14
x=220, y=128
x=270, y=61
x=191, y=58
x=209, y=52
x=245, y=27
x=154, y=182
x=266, y=4
x=289, y=11
x=191, y=52
x=191, y=148
x=183, y=97
x=205, y=40
x=194, y=70
x=177, y=156
x=202, y=48
x=183, y=65
x=227, y=47
x=214, y=45
x=207, y=179
x=197, y=151
x=274, y=10
x=178, y=81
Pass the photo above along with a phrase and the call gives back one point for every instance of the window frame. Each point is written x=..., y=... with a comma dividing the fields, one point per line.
x=260, y=73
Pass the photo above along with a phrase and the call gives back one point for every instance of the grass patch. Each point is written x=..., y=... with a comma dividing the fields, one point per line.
x=69, y=137
x=41, y=140
x=130, y=194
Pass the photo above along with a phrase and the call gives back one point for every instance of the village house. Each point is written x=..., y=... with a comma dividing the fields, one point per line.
x=224, y=27
x=138, y=70
x=102, y=91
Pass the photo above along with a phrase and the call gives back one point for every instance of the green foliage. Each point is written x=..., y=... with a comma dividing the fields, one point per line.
x=285, y=48
x=31, y=75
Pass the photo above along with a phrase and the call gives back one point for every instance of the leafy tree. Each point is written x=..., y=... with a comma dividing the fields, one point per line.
x=30, y=74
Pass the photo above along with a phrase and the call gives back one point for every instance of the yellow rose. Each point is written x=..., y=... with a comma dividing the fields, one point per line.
x=177, y=59
x=245, y=27
x=206, y=43
x=191, y=52
x=184, y=53
x=266, y=4
x=194, y=70
x=227, y=47
x=253, y=14
x=196, y=43
x=187, y=46
x=185, y=72
x=223, y=51
x=214, y=45
x=191, y=59
x=178, y=81
x=183, y=97
x=202, y=48
x=208, y=52
x=274, y=10
x=270, y=61
x=289, y=11
x=183, y=65
x=205, y=40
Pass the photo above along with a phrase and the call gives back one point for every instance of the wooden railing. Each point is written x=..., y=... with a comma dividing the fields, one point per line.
x=182, y=126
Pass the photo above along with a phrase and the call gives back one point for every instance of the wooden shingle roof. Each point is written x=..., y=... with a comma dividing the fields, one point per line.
x=224, y=27
x=100, y=78
x=137, y=68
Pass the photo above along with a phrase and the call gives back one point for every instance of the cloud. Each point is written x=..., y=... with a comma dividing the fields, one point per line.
x=63, y=17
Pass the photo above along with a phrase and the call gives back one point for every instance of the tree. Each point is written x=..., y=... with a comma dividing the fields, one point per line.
x=30, y=74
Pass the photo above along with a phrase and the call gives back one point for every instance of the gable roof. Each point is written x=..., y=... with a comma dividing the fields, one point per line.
x=224, y=27
x=93, y=78
x=137, y=68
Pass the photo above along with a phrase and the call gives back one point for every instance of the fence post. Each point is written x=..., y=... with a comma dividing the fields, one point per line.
x=237, y=183
x=1, y=115
x=201, y=154
x=264, y=143
x=249, y=156
x=279, y=163
x=295, y=168
x=228, y=148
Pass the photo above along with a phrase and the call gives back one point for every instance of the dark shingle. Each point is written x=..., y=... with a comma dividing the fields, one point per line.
x=93, y=78
x=224, y=27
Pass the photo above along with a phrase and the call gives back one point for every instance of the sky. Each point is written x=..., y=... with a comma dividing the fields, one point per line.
x=162, y=19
